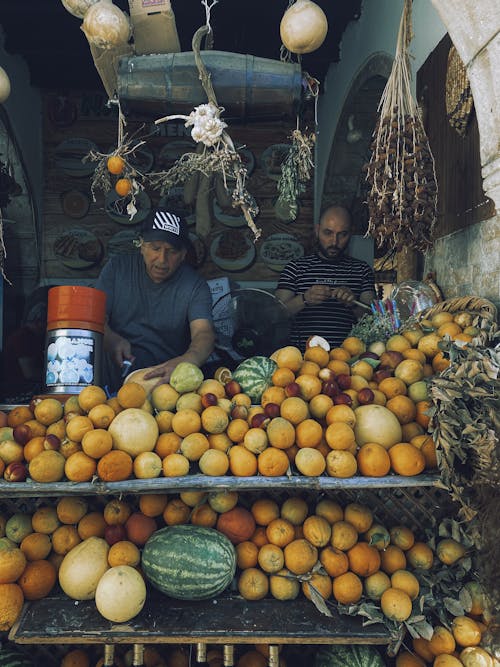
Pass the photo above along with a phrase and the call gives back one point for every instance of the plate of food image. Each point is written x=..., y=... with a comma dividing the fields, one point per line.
x=280, y=249
x=78, y=248
x=122, y=243
x=116, y=207
x=231, y=217
x=69, y=156
x=272, y=159
x=232, y=250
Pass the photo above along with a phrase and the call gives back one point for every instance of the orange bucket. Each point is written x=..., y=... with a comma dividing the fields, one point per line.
x=75, y=327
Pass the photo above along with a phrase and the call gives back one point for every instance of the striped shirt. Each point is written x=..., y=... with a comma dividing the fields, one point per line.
x=331, y=319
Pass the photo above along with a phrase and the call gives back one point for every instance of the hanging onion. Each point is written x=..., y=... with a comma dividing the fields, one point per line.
x=78, y=7
x=4, y=85
x=105, y=25
x=303, y=27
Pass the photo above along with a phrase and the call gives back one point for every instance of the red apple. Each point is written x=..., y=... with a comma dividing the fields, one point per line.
x=272, y=410
x=342, y=399
x=368, y=355
x=51, y=441
x=292, y=389
x=15, y=472
x=22, y=433
x=259, y=420
x=232, y=388
x=209, y=399
x=382, y=373
x=239, y=412
x=344, y=381
x=33, y=403
x=330, y=388
x=3, y=418
x=115, y=533
x=365, y=396
x=391, y=358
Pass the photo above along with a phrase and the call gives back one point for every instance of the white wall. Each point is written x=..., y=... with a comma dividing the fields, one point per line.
x=375, y=31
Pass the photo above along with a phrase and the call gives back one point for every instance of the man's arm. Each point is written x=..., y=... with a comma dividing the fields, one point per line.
x=116, y=346
x=200, y=348
x=296, y=302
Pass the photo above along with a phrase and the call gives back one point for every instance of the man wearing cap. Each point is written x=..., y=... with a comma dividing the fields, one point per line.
x=158, y=308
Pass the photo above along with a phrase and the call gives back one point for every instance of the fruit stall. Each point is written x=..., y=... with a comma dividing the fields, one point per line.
x=300, y=501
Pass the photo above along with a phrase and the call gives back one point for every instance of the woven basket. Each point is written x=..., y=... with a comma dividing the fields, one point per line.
x=484, y=315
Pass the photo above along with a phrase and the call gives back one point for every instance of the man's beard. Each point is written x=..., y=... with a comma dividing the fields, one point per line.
x=324, y=254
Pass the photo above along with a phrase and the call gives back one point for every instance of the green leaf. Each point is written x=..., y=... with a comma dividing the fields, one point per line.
x=453, y=606
x=424, y=628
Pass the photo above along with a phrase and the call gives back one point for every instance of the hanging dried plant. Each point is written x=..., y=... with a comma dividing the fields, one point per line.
x=402, y=200
x=296, y=170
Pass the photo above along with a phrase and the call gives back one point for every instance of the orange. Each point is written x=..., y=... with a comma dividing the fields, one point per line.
x=442, y=641
x=321, y=583
x=411, y=430
x=360, y=516
x=402, y=537
x=377, y=536
x=115, y=466
x=428, y=449
x=264, y=511
x=341, y=413
x=77, y=427
x=45, y=520
x=123, y=187
x=295, y=510
x=153, y=504
x=236, y=429
x=421, y=648
x=339, y=367
x=341, y=463
x=450, y=329
x=340, y=435
x=308, y=433
x=280, y=532
x=310, y=368
x=167, y=443
x=36, y=546
x=440, y=362
x=397, y=343
x=92, y=524
x=294, y=409
x=185, y=422
x=409, y=370
x=242, y=462
x=344, y=535
x=466, y=631
x=317, y=530
x=413, y=353
x=38, y=579
x=330, y=510
x=131, y=395
x=176, y=512
x=19, y=415
x=421, y=417
x=175, y=465
x=70, y=509
x=406, y=459
x=97, y=442
x=80, y=467
x=318, y=355
x=281, y=432
x=392, y=559
x=428, y=344
x=403, y=407
x=76, y=658
x=219, y=441
x=204, y=515
x=396, y=604
x=362, y=368
x=259, y=536
x=48, y=411
x=406, y=581
x=407, y=659
x=347, y=588
x=271, y=558
x=194, y=445
x=334, y=561
x=300, y=556
x=101, y=415
x=339, y=353
x=272, y=462
x=91, y=396
x=420, y=556
x=164, y=421
x=246, y=554
x=253, y=584
x=319, y=406
x=373, y=460
x=376, y=584
x=116, y=511
x=214, y=419
x=446, y=660
x=289, y=357
x=272, y=395
x=115, y=164
x=440, y=318
x=282, y=376
x=310, y=385
x=392, y=386
x=255, y=440
x=64, y=539
x=353, y=345
x=364, y=559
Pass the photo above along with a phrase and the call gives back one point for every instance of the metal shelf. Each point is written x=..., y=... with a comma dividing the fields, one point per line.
x=203, y=482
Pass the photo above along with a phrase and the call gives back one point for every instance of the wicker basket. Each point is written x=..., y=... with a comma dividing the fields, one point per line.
x=484, y=315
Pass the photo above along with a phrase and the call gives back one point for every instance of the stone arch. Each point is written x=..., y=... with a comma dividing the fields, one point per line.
x=344, y=175
x=475, y=31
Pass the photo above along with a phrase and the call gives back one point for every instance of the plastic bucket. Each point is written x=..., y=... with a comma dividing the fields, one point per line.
x=248, y=87
x=75, y=326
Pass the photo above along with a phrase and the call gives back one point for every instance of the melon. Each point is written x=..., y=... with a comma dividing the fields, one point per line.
x=375, y=423
x=254, y=376
x=82, y=567
x=134, y=431
x=12, y=657
x=186, y=377
x=120, y=594
x=348, y=656
x=189, y=562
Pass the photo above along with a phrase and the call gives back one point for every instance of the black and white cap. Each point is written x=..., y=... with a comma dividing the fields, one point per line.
x=163, y=225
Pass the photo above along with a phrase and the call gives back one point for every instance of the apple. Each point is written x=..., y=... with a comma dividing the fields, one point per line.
x=232, y=388
x=239, y=412
x=272, y=410
x=22, y=433
x=326, y=374
x=34, y=402
x=115, y=533
x=369, y=355
x=330, y=388
x=292, y=389
x=382, y=373
x=15, y=472
x=209, y=399
x=3, y=418
x=365, y=396
x=51, y=441
x=342, y=399
x=260, y=420
x=391, y=358
x=344, y=381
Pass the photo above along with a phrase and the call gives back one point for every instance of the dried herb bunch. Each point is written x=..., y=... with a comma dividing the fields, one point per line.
x=296, y=170
x=402, y=200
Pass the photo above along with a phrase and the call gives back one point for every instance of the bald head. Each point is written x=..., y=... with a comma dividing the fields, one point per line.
x=333, y=232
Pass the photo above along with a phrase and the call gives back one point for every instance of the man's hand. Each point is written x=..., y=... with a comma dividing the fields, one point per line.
x=117, y=347
x=163, y=371
x=344, y=294
x=317, y=294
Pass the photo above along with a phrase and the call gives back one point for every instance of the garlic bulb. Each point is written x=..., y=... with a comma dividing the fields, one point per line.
x=105, y=25
x=78, y=7
x=207, y=126
x=4, y=85
x=303, y=27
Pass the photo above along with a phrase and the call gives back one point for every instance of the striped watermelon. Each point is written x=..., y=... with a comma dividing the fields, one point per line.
x=189, y=562
x=254, y=375
x=10, y=657
x=340, y=655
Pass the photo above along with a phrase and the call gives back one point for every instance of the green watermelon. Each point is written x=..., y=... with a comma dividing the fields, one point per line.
x=11, y=657
x=254, y=376
x=189, y=562
x=340, y=655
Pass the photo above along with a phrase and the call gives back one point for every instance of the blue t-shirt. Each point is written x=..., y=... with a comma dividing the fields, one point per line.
x=153, y=317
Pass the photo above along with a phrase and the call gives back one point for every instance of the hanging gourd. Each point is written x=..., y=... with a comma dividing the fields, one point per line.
x=78, y=7
x=4, y=85
x=105, y=25
x=303, y=27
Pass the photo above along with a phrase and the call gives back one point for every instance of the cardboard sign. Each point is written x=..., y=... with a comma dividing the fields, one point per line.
x=154, y=27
